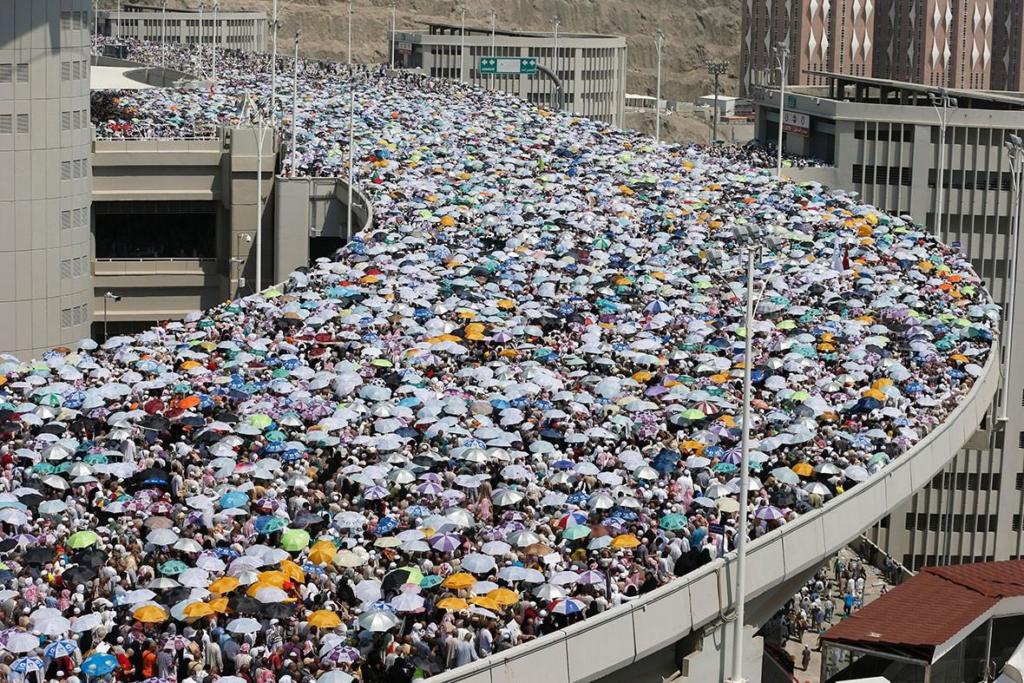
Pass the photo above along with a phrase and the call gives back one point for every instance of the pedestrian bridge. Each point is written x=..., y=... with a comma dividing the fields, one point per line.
x=649, y=638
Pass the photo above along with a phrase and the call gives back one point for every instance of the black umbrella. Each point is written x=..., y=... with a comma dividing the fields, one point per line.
x=151, y=477
x=279, y=610
x=90, y=557
x=155, y=422
x=79, y=574
x=7, y=545
x=37, y=555
x=393, y=581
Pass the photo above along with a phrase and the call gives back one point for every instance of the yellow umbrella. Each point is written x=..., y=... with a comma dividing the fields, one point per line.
x=504, y=596
x=259, y=585
x=625, y=542
x=454, y=604
x=219, y=605
x=459, y=581
x=874, y=393
x=150, y=614
x=293, y=571
x=196, y=610
x=486, y=603
x=225, y=584
x=324, y=618
x=804, y=469
x=274, y=578
x=506, y=304
x=322, y=552
x=642, y=376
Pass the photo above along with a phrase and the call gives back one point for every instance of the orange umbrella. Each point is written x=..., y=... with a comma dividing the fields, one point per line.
x=196, y=610
x=454, y=604
x=150, y=614
x=189, y=402
x=459, y=581
x=322, y=552
x=804, y=469
x=625, y=542
x=486, y=603
x=324, y=618
x=538, y=549
x=274, y=578
x=504, y=596
x=293, y=571
x=225, y=584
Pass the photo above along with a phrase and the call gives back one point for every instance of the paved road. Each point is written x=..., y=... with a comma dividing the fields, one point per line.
x=872, y=590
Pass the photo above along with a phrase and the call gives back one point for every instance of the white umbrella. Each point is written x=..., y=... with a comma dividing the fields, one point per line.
x=243, y=625
x=21, y=642
x=378, y=620
x=477, y=563
x=86, y=622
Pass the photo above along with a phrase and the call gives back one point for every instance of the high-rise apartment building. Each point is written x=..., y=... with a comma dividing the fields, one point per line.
x=973, y=44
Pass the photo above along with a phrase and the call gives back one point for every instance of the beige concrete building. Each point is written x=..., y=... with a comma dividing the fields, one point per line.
x=45, y=281
x=239, y=30
x=591, y=68
x=884, y=143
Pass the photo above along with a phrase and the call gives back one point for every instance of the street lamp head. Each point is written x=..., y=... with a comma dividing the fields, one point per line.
x=113, y=297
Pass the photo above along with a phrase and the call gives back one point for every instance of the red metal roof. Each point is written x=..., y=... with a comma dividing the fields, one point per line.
x=930, y=608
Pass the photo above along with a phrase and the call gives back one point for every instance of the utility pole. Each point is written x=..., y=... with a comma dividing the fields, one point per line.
x=659, y=42
x=295, y=101
x=163, y=36
x=462, y=47
x=556, y=21
x=216, y=36
x=394, y=30
x=351, y=128
x=716, y=69
x=274, y=25
x=941, y=103
x=782, y=58
x=494, y=25
x=1015, y=153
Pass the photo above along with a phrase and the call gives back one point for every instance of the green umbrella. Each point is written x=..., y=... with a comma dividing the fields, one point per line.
x=173, y=567
x=260, y=420
x=96, y=459
x=799, y=396
x=724, y=468
x=415, y=575
x=82, y=539
x=381, y=363
x=43, y=468
x=673, y=521
x=280, y=372
x=294, y=540
x=692, y=414
x=574, y=533
x=276, y=435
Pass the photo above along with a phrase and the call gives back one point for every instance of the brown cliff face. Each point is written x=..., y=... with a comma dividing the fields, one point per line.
x=689, y=25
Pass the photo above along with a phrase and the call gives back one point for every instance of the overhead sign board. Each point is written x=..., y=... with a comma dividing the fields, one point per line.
x=524, y=66
x=797, y=123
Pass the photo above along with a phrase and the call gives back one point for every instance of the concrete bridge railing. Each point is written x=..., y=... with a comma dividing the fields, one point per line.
x=625, y=635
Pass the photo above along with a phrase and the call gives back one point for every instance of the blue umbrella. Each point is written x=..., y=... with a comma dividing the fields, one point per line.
x=99, y=665
x=61, y=648
x=234, y=499
x=386, y=525
x=27, y=665
x=268, y=524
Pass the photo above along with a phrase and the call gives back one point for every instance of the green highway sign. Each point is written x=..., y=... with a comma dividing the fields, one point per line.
x=526, y=66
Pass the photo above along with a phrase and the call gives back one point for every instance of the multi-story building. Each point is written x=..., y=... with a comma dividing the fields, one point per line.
x=883, y=139
x=238, y=30
x=591, y=68
x=970, y=44
x=45, y=280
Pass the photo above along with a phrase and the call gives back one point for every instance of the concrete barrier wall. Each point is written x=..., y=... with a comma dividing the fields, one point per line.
x=621, y=636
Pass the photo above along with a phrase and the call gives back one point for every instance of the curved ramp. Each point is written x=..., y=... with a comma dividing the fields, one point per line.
x=627, y=634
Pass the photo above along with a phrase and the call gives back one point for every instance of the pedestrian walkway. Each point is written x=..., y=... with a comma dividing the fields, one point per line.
x=875, y=585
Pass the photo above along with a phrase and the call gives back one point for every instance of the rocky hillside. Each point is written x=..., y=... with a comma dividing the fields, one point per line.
x=688, y=25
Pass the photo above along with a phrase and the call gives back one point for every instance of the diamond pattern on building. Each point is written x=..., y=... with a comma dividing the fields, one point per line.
x=974, y=56
x=824, y=46
x=946, y=54
x=854, y=46
x=867, y=47
x=949, y=15
x=869, y=8
x=988, y=18
x=856, y=10
x=987, y=55
x=811, y=44
x=977, y=17
x=935, y=53
x=814, y=8
x=936, y=16
x=826, y=6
